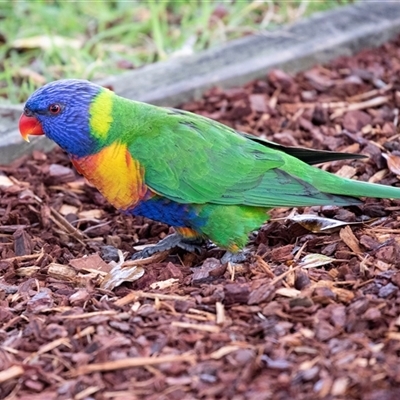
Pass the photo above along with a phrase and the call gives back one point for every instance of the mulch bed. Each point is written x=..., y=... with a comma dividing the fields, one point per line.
x=313, y=314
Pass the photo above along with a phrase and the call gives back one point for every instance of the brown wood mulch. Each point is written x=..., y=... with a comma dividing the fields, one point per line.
x=314, y=314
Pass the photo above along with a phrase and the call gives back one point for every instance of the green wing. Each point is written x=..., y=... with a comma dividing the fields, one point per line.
x=191, y=159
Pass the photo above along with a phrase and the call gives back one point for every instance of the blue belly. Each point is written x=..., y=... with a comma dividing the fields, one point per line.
x=168, y=212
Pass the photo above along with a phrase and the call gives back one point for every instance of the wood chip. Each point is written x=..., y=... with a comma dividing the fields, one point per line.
x=63, y=272
x=347, y=235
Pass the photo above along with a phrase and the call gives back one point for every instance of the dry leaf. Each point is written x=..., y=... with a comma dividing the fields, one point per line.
x=119, y=274
x=315, y=224
x=393, y=162
x=315, y=260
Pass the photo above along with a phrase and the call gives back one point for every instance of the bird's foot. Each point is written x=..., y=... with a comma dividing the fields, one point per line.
x=168, y=243
x=235, y=258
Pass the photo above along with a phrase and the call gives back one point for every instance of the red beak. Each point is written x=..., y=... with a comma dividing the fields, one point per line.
x=29, y=126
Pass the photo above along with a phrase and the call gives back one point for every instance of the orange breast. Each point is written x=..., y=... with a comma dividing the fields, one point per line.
x=115, y=174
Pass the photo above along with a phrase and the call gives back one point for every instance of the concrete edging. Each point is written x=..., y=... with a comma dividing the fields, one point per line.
x=317, y=39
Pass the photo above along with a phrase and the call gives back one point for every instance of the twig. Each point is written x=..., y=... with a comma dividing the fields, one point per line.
x=369, y=94
x=85, y=393
x=198, y=327
x=11, y=228
x=132, y=362
x=281, y=276
x=91, y=314
x=206, y=314
x=48, y=347
x=87, y=331
x=376, y=101
x=63, y=224
x=137, y=294
x=158, y=257
x=24, y=258
x=13, y=372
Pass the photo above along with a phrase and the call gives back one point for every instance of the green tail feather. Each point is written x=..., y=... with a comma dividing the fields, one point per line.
x=333, y=184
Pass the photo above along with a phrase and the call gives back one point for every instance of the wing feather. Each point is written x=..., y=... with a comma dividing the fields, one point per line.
x=191, y=159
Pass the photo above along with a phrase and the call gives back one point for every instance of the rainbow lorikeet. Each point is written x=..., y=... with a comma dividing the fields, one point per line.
x=203, y=178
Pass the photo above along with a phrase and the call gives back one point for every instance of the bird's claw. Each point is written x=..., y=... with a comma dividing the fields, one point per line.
x=168, y=243
x=235, y=258
x=145, y=253
x=191, y=247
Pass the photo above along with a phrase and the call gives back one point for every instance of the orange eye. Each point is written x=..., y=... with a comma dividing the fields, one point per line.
x=54, y=109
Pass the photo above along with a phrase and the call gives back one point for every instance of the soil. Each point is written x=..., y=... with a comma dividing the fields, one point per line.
x=313, y=314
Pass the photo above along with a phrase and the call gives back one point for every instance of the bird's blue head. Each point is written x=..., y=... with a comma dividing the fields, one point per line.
x=61, y=110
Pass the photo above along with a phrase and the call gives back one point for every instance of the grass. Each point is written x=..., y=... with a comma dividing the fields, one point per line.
x=43, y=40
